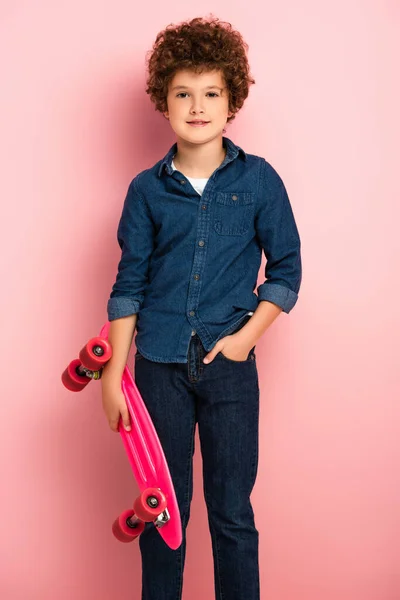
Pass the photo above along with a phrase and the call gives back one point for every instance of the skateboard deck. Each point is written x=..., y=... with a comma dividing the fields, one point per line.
x=157, y=500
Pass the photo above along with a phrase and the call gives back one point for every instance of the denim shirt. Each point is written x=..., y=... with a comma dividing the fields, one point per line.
x=190, y=263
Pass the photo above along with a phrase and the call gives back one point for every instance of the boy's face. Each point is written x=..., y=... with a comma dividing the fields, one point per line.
x=198, y=97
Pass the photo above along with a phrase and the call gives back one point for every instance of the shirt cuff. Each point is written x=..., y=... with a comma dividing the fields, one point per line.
x=278, y=294
x=121, y=306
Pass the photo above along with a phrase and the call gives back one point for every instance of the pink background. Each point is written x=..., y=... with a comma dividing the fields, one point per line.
x=76, y=127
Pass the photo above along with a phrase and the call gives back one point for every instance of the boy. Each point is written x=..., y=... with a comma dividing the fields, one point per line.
x=192, y=232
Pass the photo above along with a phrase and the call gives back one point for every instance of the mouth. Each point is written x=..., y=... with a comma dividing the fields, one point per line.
x=197, y=123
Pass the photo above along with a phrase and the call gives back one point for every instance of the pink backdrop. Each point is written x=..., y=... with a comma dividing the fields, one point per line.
x=76, y=127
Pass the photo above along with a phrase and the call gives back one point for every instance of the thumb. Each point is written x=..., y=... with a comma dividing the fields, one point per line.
x=125, y=418
x=211, y=355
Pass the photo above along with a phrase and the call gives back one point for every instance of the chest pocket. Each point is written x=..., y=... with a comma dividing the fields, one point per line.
x=234, y=212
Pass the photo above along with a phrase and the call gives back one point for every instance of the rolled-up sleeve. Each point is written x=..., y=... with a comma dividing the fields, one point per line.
x=135, y=236
x=279, y=238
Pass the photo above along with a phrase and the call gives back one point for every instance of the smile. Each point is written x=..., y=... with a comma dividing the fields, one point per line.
x=198, y=123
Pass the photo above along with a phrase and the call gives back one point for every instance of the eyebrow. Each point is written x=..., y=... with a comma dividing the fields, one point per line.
x=185, y=87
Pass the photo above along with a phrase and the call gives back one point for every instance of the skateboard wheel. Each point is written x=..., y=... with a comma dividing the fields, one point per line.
x=95, y=353
x=150, y=504
x=125, y=532
x=71, y=379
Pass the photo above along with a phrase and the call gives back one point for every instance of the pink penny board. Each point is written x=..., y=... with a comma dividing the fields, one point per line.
x=146, y=455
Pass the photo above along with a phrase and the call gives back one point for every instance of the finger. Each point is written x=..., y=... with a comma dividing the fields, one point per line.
x=210, y=356
x=113, y=423
x=125, y=418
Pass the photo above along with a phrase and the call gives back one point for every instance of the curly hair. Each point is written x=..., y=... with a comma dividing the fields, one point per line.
x=199, y=45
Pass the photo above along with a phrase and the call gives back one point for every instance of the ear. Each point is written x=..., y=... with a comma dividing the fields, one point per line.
x=166, y=114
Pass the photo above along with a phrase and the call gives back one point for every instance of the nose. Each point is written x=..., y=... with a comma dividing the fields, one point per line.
x=196, y=107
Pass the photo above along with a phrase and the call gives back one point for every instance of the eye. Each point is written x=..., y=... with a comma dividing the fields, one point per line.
x=183, y=94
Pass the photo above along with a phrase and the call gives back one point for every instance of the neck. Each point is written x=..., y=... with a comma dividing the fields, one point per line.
x=199, y=160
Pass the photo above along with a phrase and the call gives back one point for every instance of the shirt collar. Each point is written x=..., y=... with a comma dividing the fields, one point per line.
x=232, y=152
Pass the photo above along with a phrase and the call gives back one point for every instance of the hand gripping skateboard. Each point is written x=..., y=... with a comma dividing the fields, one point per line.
x=157, y=501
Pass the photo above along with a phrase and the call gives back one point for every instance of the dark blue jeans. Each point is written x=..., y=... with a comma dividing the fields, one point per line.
x=223, y=398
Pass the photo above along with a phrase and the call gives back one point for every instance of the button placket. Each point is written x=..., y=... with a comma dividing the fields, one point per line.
x=198, y=264
x=203, y=231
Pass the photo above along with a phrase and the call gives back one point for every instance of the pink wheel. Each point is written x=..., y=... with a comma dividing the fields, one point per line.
x=150, y=504
x=123, y=530
x=71, y=379
x=95, y=353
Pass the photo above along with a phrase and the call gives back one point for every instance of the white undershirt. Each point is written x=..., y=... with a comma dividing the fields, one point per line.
x=198, y=183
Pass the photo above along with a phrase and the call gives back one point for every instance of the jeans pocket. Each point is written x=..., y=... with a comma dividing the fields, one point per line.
x=250, y=357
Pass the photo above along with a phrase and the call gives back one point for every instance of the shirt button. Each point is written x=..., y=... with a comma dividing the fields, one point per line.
x=201, y=243
x=193, y=332
x=191, y=313
x=183, y=181
x=204, y=207
x=234, y=197
x=197, y=276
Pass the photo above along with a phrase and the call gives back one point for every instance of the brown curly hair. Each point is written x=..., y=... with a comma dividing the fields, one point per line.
x=199, y=45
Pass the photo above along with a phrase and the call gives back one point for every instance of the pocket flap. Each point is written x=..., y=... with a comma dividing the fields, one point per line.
x=235, y=198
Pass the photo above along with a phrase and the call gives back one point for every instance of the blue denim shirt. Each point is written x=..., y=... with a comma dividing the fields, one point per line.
x=190, y=263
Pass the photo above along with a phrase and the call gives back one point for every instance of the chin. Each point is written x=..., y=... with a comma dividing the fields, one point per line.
x=200, y=135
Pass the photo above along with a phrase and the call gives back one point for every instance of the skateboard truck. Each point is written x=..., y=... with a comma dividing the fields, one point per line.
x=84, y=372
x=134, y=521
x=162, y=519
